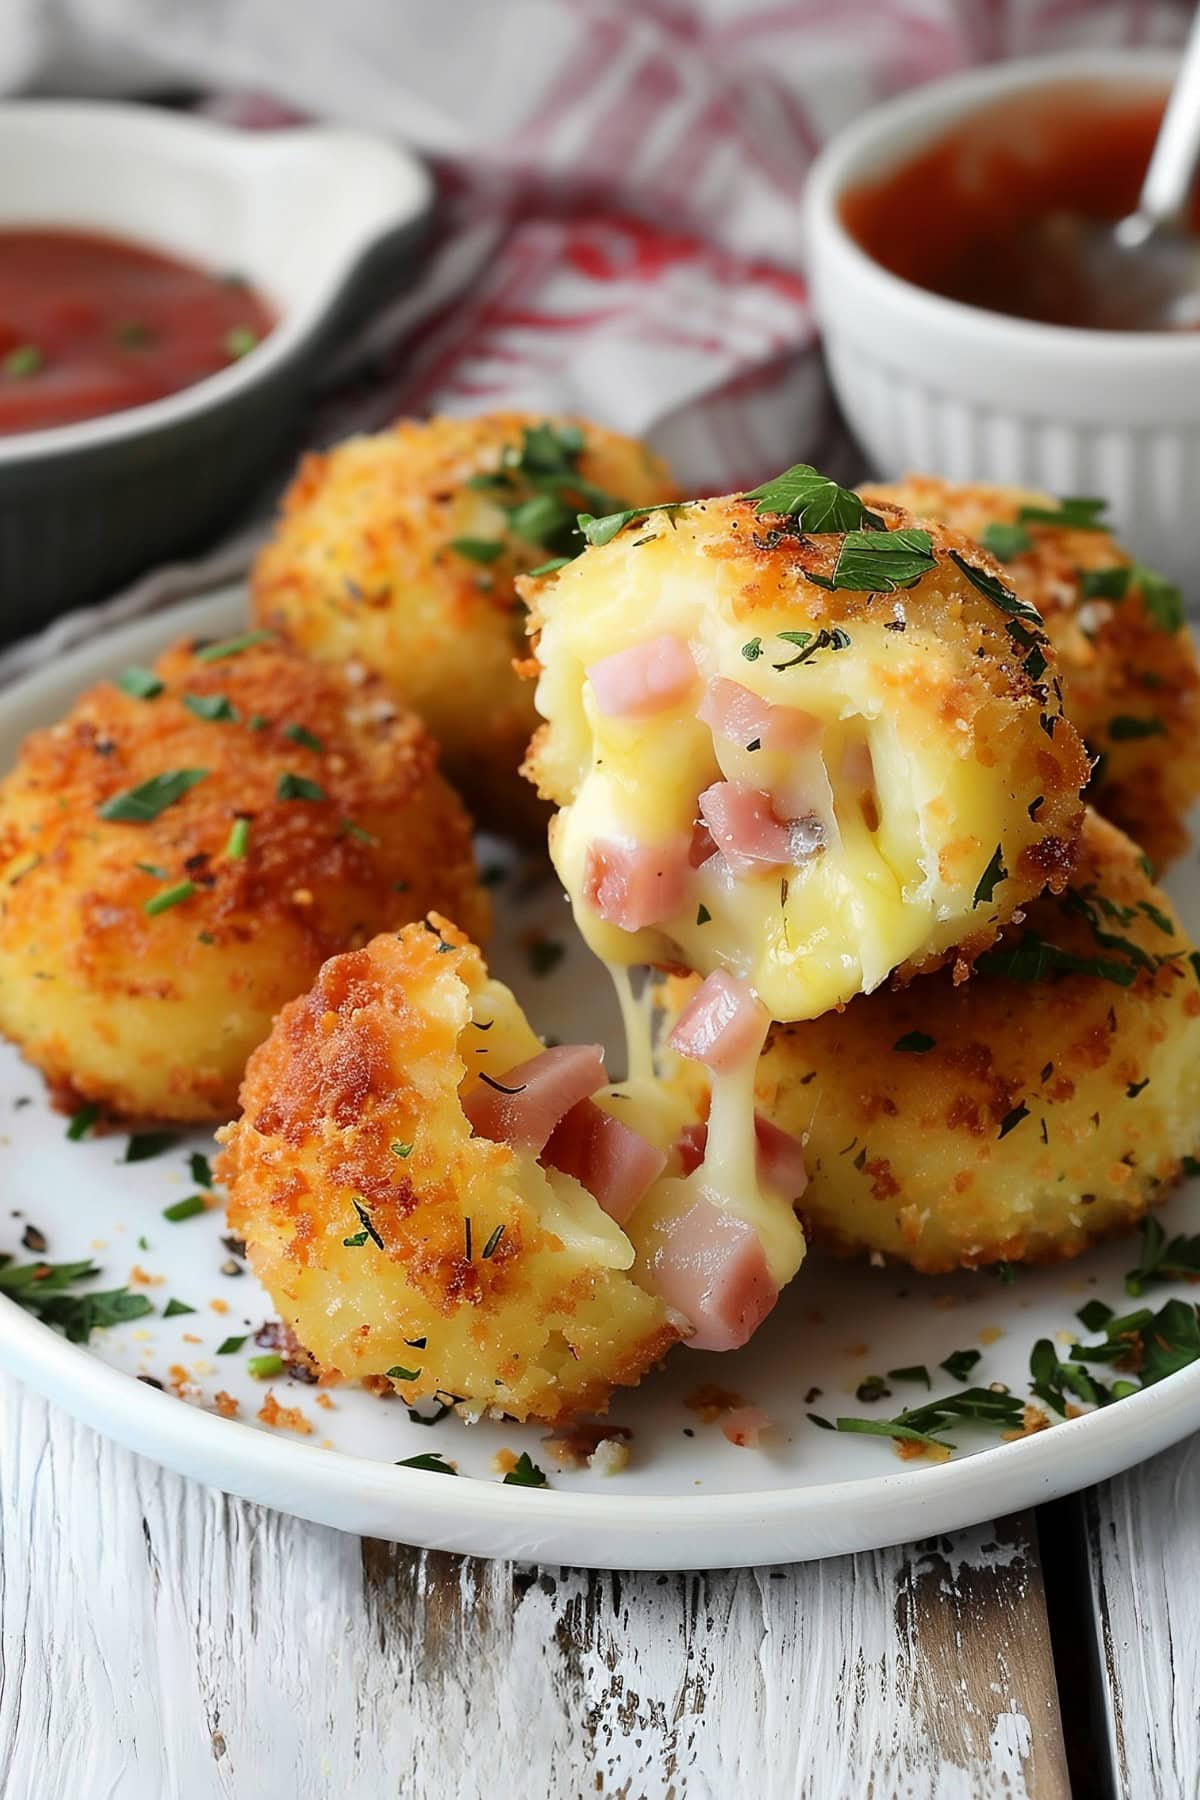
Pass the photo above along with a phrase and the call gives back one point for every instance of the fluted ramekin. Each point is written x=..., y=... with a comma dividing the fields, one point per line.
x=934, y=385
x=319, y=221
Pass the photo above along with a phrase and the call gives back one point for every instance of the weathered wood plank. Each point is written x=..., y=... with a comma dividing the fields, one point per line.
x=158, y=1638
x=1142, y=1539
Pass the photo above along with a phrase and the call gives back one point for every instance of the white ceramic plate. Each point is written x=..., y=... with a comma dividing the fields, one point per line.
x=688, y=1498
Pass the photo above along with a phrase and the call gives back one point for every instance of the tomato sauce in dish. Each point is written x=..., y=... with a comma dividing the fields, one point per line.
x=92, y=325
x=968, y=216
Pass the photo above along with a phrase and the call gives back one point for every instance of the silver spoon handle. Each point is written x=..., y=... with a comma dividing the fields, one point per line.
x=1168, y=184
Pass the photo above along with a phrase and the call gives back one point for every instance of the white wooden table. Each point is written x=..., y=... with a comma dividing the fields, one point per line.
x=162, y=1640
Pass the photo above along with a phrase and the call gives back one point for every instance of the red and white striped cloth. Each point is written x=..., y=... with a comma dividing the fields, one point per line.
x=620, y=182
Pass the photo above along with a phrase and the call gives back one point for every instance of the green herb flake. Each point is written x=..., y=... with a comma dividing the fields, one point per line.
x=602, y=531
x=872, y=1388
x=231, y=1346
x=216, y=708
x=263, y=1367
x=1094, y=1316
x=1104, y=584
x=1013, y=1118
x=240, y=342
x=24, y=361
x=914, y=1043
x=493, y=1244
x=1074, y=513
x=185, y=1209
x=238, y=841
x=991, y=878
x=168, y=897
x=1162, y=1259
x=752, y=650
x=553, y=566
x=399, y=1149
x=1160, y=597
x=201, y=1169
x=915, y=1372
x=139, y=683
x=431, y=1460
x=959, y=1364
x=703, y=916
x=175, y=1309
x=815, y=502
x=477, y=550
x=880, y=562
x=400, y=1373
x=133, y=334
x=82, y=1122
x=298, y=787
x=995, y=590
x=1124, y=728
x=143, y=1146
x=1005, y=541
x=525, y=1473
x=139, y=805
x=233, y=646
x=41, y=1288
x=299, y=734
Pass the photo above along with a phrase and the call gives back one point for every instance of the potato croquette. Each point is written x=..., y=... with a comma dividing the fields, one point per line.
x=401, y=550
x=396, y=1244
x=806, y=758
x=182, y=851
x=1131, y=683
x=1044, y=1103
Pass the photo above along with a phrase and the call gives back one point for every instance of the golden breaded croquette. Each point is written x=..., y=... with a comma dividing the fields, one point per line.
x=400, y=550
x=1131, y=681
x=1044, y=1103
x=396, y=1244
x=182, y=851
x=807, y=757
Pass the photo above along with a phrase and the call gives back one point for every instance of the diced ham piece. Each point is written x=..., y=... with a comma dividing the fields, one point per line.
x=744, y=1426
x=779, y=1157
x=711, y=1268
x=745, y=828
x=643, y=680
x=743, y=717
x=633, y=885
x=523, y=1107
x=613, y=1162
x=722, y=1023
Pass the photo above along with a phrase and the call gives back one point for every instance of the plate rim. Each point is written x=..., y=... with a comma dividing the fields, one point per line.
x=587, y=1529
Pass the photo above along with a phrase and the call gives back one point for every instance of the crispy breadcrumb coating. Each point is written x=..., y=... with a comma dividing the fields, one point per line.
x=397, y=550
x=1131, y=682
x=141, y=962
x=1012, y=1120
x=393, y=1242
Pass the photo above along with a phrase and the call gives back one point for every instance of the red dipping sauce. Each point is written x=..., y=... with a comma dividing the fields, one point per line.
x=92, y=325
x=966, y=217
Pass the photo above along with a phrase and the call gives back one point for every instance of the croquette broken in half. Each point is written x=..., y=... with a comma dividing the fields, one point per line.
x=395, y=1243
x=806, y=757
x=400, y=550
x=181, y=852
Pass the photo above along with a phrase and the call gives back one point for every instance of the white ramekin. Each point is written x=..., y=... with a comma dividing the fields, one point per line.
x=933, y=385
x=321, y=221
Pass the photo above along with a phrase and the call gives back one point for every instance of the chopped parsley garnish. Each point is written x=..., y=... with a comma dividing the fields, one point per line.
x=175, y=1309
x=913, y=1372
x=139, y=683
x=921, y=1424
x=1161, y=598
x=959, y=1364
x=144, y=1145
x=813, y=500
x=1162, y=1259
x=216, y=708
x=604, y=530
x=477, y=550
x=752, y=650
x=82, y=1122
x=350, y=829
x=154, y=869
x=991, y=878
x=231, y=1346
x=1033, y=958
x=995, y=590
x=40, y=1287
x=525, y=1473
x=545, y=954
x=22, y=362
x=1125, y=727
x=139, y=805
x=240, y=342
x=1076, y=512
x=702, y=914
x=263, y=1367
x=300, y=734
x=879, y=562
x=298, y=787
x=367, y=1223
x=201, y=1169
x=807, y=645
x=493, y=1244
x=553, y=566
x=1095, y=1315
x=232, y=646
x=399, y=1149
x=431, y=1460
x=185, y=1209
x=873, y=1388
x=1157, y=917
x=1005, y=541
x=914, y=1043
x=238, y=841
x=168, y=897
x=1105, y=584
x=1013, y=1118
